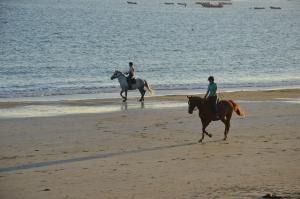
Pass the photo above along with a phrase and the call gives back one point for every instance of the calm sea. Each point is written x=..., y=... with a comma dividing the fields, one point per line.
x=68, y=47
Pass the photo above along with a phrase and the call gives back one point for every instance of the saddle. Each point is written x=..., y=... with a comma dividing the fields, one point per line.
x=133, y=81
x=216, y=116
x=130, y=82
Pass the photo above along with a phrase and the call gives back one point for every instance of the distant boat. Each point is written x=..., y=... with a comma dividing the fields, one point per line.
x=272, y=7
x=169, y=3
x=211, y=5
x=226, y=3
x=131, y=2
x=182, y=4
x=259, y=8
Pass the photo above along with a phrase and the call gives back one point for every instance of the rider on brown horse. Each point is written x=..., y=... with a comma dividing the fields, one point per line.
x=226, y=107
x=211, y=96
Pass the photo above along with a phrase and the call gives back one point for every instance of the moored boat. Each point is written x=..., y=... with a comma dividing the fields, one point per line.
x=211, y=5
x=226, y=3
x=131, y=2
x=182, y=4
x=273, y=7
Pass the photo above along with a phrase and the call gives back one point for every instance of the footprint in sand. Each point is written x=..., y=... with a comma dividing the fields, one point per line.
x=8, y=157
x=297, y=149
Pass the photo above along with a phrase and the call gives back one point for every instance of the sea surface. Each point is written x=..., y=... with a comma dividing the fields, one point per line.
x=72, y=47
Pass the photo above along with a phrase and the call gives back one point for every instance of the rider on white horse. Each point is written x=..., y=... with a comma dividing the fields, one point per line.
x=130, y=73
x=138, y=83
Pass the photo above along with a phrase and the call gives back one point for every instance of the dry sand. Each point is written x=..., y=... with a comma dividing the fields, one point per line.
x=153, y=153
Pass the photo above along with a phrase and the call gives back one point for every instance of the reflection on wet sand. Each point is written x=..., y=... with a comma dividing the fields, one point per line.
x=59, y=109
x=50, y=109
x=124, y=106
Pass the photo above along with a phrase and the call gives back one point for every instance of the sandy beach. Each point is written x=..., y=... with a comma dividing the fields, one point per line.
x=153, y=152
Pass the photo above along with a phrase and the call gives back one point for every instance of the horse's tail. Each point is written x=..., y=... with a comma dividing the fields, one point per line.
x=148, y=87
x=237, y=108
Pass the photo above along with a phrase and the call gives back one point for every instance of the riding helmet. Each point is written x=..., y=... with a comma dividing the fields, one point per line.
x=211, y=78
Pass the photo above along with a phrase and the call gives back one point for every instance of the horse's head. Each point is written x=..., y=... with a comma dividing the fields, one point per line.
x=193, y=102
x=115, y=75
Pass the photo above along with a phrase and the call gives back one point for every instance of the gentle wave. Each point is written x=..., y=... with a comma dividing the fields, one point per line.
x=160, y=89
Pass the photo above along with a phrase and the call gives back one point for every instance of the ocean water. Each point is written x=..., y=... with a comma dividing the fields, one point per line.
x=63, y=47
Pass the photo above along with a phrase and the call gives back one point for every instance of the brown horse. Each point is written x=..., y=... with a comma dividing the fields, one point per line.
x=225, y=109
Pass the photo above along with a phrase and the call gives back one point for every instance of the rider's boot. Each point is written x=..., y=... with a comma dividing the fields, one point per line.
x=216, y=112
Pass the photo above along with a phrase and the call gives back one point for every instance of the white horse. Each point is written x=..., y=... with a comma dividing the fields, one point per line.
x=140, y=84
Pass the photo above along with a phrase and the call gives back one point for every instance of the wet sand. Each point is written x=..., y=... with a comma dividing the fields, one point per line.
x=153, y=152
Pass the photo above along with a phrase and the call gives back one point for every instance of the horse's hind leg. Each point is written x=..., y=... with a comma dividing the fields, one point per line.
x=227, y=126
x=142, y=91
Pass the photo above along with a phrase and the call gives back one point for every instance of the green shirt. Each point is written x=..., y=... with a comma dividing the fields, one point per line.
x=212, y=89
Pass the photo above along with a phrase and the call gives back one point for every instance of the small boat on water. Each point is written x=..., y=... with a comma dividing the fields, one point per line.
x=272, y=7
x=131, y=2
x=226, y=3
x=182, y=4
x=211, y=5
x=169, y=3
x=259, y=8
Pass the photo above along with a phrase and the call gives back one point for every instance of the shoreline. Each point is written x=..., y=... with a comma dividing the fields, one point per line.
x=135, y=93
x=234, y=95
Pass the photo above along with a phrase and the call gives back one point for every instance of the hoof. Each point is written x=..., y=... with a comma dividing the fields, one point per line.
x=124, y=100
x=209, y=135
x=200, y=141
x=141, y=100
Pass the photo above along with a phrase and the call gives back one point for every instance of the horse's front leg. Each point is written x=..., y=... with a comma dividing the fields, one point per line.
x=124, y=98
x=205, y=123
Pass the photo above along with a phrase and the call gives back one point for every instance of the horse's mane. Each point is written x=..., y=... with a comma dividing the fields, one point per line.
x=117, y=71
x=196, y=98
